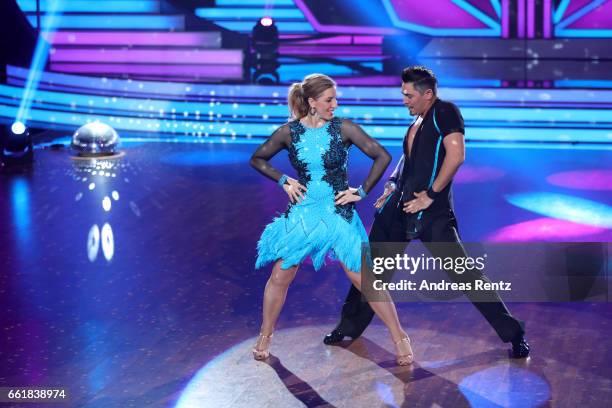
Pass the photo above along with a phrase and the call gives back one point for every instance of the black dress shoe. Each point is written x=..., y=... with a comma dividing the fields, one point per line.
x=520, y=348
x=334, y=337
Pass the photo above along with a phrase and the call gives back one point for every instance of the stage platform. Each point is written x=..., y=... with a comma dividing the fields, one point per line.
x=131, y=283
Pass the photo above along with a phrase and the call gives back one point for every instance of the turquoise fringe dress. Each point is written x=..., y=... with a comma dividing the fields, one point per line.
x=316, y=226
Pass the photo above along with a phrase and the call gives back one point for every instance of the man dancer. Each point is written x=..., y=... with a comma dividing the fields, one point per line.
x=417, y=203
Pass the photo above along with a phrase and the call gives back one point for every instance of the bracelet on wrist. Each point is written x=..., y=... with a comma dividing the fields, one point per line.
x=390, y=185
x=282, y=180
x=432, y=194
x=361, y=192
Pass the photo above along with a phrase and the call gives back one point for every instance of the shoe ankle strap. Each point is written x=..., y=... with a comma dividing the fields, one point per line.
x=402, y=339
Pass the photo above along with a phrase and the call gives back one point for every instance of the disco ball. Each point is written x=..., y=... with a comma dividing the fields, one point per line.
x=95, y=139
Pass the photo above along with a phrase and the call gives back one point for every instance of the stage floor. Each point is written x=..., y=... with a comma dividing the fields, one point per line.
x=131, y=283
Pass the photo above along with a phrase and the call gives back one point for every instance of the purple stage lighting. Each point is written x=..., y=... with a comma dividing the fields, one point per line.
x=597, y=180
x=546, y=229
x=478, y=174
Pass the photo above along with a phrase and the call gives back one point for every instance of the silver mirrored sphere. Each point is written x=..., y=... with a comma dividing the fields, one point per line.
x=94, y=139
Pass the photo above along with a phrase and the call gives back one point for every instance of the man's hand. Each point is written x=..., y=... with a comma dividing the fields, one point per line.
x=380, y=201
x=421, y=202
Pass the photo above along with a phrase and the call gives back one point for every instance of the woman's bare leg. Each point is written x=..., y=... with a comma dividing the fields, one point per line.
x=388, y=314
x=274, y=299
x=275, y=294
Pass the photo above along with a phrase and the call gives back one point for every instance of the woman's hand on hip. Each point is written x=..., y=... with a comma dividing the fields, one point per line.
x=347, y=196
x=294, y=190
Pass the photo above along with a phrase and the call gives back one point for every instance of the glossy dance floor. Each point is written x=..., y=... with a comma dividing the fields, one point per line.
x=131, y=284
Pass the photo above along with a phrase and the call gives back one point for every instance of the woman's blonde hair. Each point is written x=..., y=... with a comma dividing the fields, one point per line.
x=311, y=87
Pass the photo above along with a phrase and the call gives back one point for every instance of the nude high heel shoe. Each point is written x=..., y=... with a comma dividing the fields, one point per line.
x=262, y=353
x=404, y=359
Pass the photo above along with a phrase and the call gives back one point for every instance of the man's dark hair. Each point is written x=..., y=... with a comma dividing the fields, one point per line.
x=422, y=78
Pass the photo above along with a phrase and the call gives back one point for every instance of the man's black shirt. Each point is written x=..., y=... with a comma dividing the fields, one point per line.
x=428, y=151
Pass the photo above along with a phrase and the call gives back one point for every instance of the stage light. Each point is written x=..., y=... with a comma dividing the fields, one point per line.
x=263, y=52
x=40, y=57
x=266, y=21
x=18, y=128
x=565, y=207
x=16, y=144
x=504, y=385
x=545, y=229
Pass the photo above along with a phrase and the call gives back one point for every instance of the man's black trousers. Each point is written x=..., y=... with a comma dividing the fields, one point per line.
x=390, y=226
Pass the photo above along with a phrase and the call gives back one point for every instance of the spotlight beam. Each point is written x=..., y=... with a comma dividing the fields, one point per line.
x=41, y=54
